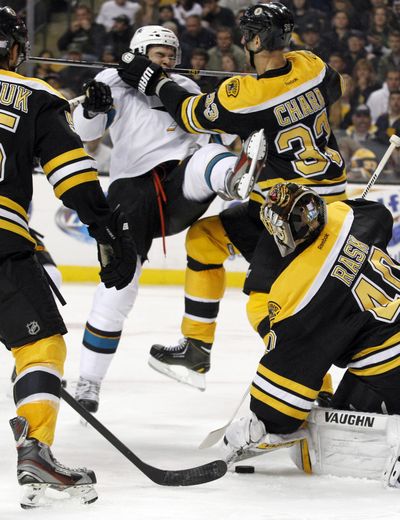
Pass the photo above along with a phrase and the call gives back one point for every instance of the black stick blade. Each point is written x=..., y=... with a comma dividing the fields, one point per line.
x=193, y=476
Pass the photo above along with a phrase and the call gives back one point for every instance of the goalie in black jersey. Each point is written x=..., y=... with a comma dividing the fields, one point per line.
x=333, y=299
x=35, y=121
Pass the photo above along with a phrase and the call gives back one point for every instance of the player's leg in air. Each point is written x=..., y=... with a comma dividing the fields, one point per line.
x=211, y=170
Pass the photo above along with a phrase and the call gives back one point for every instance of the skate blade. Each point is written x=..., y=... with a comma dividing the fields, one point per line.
x=256, y=151
x=35, y=495
x=180, y=374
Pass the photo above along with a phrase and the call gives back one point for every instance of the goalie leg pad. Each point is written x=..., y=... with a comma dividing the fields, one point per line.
x=355, y=444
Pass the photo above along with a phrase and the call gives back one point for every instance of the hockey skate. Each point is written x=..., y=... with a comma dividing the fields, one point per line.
x=240, y=181
x=38, y=470
x=88, y=394
x=186, y=362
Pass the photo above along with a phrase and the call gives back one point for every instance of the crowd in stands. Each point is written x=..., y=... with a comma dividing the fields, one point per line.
x=359, y=38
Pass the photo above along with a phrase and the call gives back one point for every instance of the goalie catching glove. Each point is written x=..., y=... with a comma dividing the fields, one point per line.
x=116, y=250
x=98, y=99
x=140, y=73
x=248, y=438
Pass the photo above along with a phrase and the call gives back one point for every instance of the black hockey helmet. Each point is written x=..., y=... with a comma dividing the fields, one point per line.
x=12, y=30
x=293, y=214
x=272, y=22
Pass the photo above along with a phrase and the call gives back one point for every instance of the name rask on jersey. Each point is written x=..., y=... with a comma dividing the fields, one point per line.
x=299, y=107
x=350, y=262
x=15, y=95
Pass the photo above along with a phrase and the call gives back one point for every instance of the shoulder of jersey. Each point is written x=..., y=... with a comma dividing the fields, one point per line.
x=111, y=77
x=186, y=83
x=36, y=84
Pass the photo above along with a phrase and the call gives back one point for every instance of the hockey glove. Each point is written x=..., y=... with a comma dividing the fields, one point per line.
x=140, y=73
x=98, y=98
x=116, y=251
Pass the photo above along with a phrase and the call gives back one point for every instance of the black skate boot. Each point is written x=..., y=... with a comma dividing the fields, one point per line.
x=88, y=394
x=37, y=470
x=187, y=362
x=240, y=181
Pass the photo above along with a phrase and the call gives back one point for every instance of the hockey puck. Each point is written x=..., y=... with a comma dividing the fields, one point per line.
x=244, y=469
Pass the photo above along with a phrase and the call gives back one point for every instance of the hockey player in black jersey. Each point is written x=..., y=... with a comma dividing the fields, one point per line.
x=333, y=299
x=35, y=121
x=290, y=99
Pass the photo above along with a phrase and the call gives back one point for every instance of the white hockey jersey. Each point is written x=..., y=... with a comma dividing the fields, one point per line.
x=142, y=132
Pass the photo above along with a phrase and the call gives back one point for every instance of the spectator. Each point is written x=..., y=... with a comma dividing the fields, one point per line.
x=389, y=123
x=166, y=14
x=74, y=77
x=217, y=16
x=113, y=9
x=224, y=46
x=391, y=60
x=120, y=35
x=304, y=14
x=43, y=69
x=363, y=163
x=355, y=49
x=336, y=61
x=185, y=8
x=108, y=55
x=196, y=36
x=378, y=100
x=365, y=83
x=83, y=32
x=229, y=63
x=380, y=23
x=149, y=13
x=101, y=153
x=337, y=37
x=198, y=61
x=312, y=40
x=358, y=134
x=345, y=5
x=54, y=80
x=396, y=12
x=340, y=111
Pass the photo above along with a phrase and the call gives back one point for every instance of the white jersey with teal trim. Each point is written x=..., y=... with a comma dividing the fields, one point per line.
x=142, y=132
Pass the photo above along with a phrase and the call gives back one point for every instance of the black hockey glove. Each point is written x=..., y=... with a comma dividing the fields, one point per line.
x=116, y=251
x=98, y=98
x=140, y=73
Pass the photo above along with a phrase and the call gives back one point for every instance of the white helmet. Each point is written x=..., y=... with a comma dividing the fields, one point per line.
x=155, y=35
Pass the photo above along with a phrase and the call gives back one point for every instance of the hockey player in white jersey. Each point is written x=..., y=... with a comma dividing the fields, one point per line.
x=162, y=177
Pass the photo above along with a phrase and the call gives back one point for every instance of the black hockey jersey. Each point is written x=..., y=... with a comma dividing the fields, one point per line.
x=291, y=104
x=35, y=122
x=336, y=301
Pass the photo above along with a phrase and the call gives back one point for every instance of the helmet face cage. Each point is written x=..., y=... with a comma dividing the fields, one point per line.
x=155, y=35
x=273, y=23
x=13, y=30
x=293, y=214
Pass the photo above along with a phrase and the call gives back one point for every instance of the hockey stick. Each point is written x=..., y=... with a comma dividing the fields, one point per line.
x=216, y=435
x=105, y=65
x=183, y=477
x=394, y=143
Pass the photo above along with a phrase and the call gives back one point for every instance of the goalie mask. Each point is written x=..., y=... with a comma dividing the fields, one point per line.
x=155, y=35
x=293, y=214
x=13, y=30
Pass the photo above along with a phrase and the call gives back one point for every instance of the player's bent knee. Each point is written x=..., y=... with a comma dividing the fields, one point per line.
x=206, y=241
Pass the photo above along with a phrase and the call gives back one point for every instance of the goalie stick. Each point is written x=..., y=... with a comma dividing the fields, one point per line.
x=183, y=477
x=394, y=143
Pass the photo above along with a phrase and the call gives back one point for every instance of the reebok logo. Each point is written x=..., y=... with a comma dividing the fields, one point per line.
x=348, y=418
x=144, y=80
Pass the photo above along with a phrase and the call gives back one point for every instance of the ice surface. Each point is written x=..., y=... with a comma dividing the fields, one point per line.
x=163, y=422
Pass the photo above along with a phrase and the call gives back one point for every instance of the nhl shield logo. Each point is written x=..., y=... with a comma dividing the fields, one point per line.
x=33, y=328
x=232, y=88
